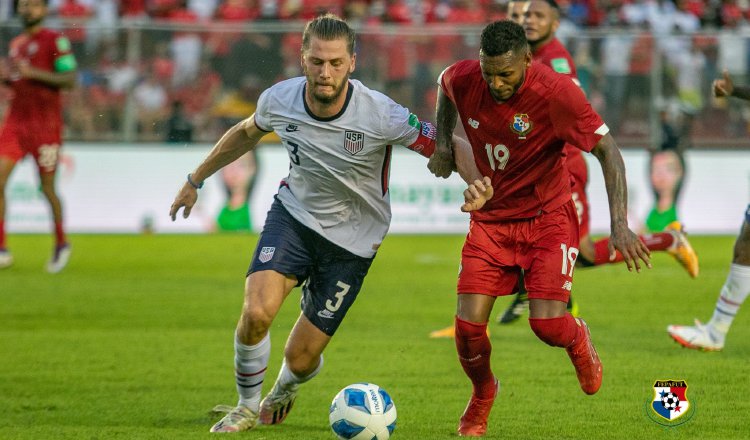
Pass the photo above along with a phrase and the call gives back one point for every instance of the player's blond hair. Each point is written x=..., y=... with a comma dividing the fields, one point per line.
x=328, y=27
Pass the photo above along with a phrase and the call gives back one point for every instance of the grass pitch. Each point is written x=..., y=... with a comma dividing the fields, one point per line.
x=134, y=341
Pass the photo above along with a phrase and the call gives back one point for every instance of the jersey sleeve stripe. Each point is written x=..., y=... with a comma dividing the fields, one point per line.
x=384, y=174
x=255, y=121
x=602, y=130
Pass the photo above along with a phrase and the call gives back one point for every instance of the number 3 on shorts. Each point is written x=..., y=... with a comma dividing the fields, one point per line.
x=339, y=296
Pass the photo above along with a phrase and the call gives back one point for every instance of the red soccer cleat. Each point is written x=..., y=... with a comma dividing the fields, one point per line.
x=473, y=422
x=588, y=366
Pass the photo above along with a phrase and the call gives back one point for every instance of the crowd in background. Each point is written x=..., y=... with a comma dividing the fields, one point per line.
x=187, y=69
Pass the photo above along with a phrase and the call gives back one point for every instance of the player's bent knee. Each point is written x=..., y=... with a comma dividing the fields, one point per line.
x=549, y=332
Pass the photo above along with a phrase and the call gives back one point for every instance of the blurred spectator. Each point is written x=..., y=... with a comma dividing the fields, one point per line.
x=151, y=103
x=75, y=15
x=203, y=9
x=254, y=54
x=239, y=104
x=179, y=127
x=186, y=46
x=133, y=8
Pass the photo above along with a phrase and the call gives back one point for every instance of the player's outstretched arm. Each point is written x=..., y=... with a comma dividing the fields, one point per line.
x=237, y=141
x=442, y=162
x=622, y=238
x=477, y=194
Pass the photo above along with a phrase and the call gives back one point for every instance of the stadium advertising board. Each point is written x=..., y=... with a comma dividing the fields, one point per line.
x=116, y=189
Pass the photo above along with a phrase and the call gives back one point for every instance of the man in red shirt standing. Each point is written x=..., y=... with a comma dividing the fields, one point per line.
x=518, y=118
x=541, y=19
x=41, y=63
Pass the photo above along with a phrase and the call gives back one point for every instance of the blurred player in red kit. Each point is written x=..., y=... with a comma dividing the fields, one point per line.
x=39, y=66
x=518, y=117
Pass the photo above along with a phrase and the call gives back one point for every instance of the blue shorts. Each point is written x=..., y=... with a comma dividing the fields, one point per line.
x=331, y=276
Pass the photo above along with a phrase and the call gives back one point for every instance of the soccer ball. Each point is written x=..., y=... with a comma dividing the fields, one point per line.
x=670, y=401
x=362, y=411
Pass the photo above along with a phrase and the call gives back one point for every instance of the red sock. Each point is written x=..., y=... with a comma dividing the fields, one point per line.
x=655, y=242
x=557, y=332
x=2, y=234
x=474, y=351
x=59, y=234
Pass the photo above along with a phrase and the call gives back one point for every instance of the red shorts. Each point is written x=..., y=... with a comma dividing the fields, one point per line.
x=545, y=247
x=16, y=141
x=579, y=179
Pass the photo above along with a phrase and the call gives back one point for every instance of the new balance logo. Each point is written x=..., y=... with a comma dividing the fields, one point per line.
x=474, y=124
x=568, y=286
x=291, y=127
x=327, y=314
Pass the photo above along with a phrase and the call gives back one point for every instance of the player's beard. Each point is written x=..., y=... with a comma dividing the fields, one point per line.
x=329, y=98
x=30, y=22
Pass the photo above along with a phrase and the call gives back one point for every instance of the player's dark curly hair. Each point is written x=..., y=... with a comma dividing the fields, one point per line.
x=501, y=37
x=328, y=27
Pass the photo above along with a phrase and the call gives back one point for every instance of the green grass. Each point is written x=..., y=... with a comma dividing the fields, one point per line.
x=134, y=341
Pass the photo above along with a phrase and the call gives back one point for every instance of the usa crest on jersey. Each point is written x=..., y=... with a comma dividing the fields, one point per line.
x=521, y=125
x=670, y=399
x=354, y=141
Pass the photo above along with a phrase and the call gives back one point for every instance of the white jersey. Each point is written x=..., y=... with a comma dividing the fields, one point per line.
x=339, y=166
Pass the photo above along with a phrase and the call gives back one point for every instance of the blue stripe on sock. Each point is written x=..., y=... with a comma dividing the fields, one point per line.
x=724, y=312
x=249, y=386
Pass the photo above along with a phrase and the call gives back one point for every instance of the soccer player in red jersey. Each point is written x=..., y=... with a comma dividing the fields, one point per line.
x=541, y=18
x=518, y=118
x=41, y=63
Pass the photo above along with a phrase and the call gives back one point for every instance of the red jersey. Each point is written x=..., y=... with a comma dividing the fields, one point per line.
x=554, y=55
x=519, y=142
x=35, y=102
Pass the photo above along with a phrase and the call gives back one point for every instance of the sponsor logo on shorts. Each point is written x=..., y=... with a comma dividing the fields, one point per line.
x=567, y=286
x=327, y=314
x=266, y=253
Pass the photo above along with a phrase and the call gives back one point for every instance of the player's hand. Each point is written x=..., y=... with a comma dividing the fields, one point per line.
x=477, y=194
x=441, y=163
x=186, y=198
x=23, y=68
x=630, y=246
x=723, y=87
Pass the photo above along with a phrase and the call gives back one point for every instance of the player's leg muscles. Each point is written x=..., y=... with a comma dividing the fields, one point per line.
x=304, y=348
x=265, y=292
x=742, y=245
x=47, y=182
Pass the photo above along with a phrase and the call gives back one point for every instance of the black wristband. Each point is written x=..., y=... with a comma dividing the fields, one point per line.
x=193, y=184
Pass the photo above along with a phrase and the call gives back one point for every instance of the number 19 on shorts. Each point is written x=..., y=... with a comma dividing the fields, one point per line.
x=569, y=255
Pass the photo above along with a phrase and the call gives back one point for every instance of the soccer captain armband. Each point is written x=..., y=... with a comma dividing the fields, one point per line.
x=425, y=143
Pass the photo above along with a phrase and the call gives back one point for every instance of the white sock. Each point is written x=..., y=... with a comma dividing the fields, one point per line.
x=289, y=380
x=250, y=363
x=733, y=294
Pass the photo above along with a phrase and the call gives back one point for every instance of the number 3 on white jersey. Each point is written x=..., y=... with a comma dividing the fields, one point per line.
x=497, y=155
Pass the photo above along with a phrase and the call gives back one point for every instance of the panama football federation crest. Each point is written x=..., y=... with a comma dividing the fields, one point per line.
x=266, y=253
x=354, y=141
x=521, y=125
x=670, y=400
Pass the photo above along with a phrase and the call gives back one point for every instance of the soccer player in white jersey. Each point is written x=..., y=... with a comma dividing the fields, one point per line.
x=711, y=335
x=330, y=214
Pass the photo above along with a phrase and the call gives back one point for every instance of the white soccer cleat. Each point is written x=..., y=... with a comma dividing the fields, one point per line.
x=239, y=418
x=699, y=337
x=277, y=404
x=59, y=259
x=6, y=259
